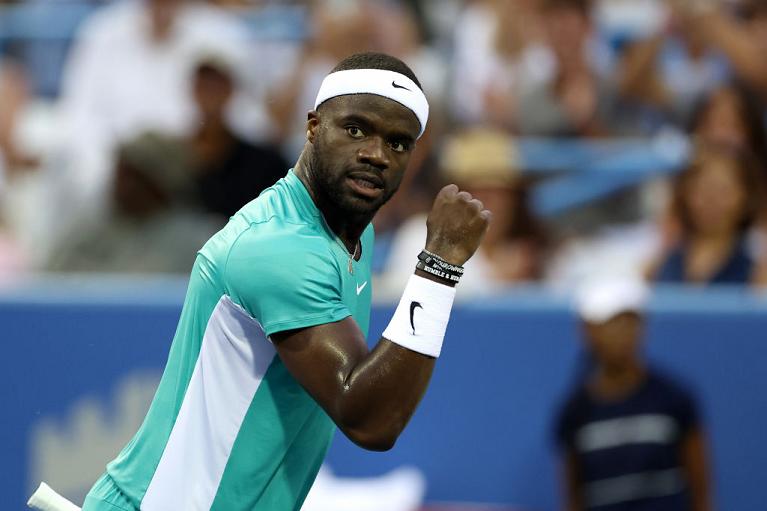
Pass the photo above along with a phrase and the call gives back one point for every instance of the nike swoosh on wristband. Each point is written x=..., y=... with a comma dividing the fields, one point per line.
x=413, y=307
x=360, y=288
x=394, y=84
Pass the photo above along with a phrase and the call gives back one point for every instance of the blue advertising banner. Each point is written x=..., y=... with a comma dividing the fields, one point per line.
x=80, y=367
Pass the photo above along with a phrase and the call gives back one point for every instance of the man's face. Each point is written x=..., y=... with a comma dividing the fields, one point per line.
x=615, y=343
x=212, y=89
x=361, y=146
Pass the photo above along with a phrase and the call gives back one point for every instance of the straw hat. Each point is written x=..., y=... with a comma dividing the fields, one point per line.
x=481, y=157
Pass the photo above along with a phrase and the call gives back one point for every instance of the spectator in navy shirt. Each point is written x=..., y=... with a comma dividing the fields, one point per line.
x=230, y=171
x=630, y=436
x=716, y=203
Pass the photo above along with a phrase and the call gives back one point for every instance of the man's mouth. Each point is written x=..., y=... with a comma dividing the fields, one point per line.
x=367, y=185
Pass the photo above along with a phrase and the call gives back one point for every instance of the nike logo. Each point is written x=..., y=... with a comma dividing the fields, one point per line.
x=394, y=84
x=413, y=307
x=360, y=288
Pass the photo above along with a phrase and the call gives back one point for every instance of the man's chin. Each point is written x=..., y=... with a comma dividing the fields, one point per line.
x=352, y=203
x=361, y=206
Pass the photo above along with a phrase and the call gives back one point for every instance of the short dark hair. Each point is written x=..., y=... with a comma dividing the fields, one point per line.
x=373, y=60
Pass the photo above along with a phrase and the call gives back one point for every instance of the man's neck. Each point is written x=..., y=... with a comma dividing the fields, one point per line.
x=212, y=125
x=349, y=229
x=615, y=383
x=213, y=140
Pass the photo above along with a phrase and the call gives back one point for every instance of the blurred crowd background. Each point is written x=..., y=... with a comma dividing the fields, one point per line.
x=623, y=136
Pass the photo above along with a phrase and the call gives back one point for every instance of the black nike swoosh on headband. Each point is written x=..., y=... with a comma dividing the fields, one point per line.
x=394, y=84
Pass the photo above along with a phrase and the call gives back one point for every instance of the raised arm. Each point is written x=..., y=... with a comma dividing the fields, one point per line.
x=638, y=78
x=736, y=42
x=371, y=395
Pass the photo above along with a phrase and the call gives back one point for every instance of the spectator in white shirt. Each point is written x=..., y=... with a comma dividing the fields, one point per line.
x=129, y=72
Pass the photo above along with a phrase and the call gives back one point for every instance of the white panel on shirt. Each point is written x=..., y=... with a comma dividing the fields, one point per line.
x=233, y=360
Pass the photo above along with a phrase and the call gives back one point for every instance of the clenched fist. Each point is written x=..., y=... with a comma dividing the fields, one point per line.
x=456, y=224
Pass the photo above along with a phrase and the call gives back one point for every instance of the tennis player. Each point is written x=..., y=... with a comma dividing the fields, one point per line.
x=270, y=353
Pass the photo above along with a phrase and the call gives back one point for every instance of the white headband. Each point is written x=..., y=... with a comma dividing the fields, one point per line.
x=380, y=82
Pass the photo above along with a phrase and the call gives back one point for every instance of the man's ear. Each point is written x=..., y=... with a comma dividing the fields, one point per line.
x=312, y=125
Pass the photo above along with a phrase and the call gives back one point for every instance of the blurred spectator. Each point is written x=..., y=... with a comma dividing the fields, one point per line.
x=13, y=260
x=482, y=162
x=397, y=33
x=185, y=185
x=230, y=171
x=732, y=115
x=615, y=250
x=14, y=94
x=754, y=13
x=129, y=72
x=703, y=46
x=437, y=19
x=495, y=44
x=576, y=97
x=13, y=98
x=151, y=226
x=716, y=201
x=737, y=29
x=339, y=28
x=630, y=436
x=472, y=63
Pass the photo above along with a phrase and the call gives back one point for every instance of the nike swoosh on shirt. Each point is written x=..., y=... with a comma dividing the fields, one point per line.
x=394, y=84
x=360, y=288
x=413, y=307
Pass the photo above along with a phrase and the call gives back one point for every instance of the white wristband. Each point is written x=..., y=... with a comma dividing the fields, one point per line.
x=420, y=321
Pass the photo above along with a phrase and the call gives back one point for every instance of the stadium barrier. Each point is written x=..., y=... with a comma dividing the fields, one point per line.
x=82, y=359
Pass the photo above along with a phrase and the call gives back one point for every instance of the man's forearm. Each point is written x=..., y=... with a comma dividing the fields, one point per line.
x=381, y=393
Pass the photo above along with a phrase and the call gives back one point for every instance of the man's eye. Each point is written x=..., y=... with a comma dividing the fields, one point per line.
x=355, y=132
x=398, y=147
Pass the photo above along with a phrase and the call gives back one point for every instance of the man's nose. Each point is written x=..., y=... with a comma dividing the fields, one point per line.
x=373, y=152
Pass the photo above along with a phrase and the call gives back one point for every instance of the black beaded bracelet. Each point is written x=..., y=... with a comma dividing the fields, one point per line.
x=435, y=265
